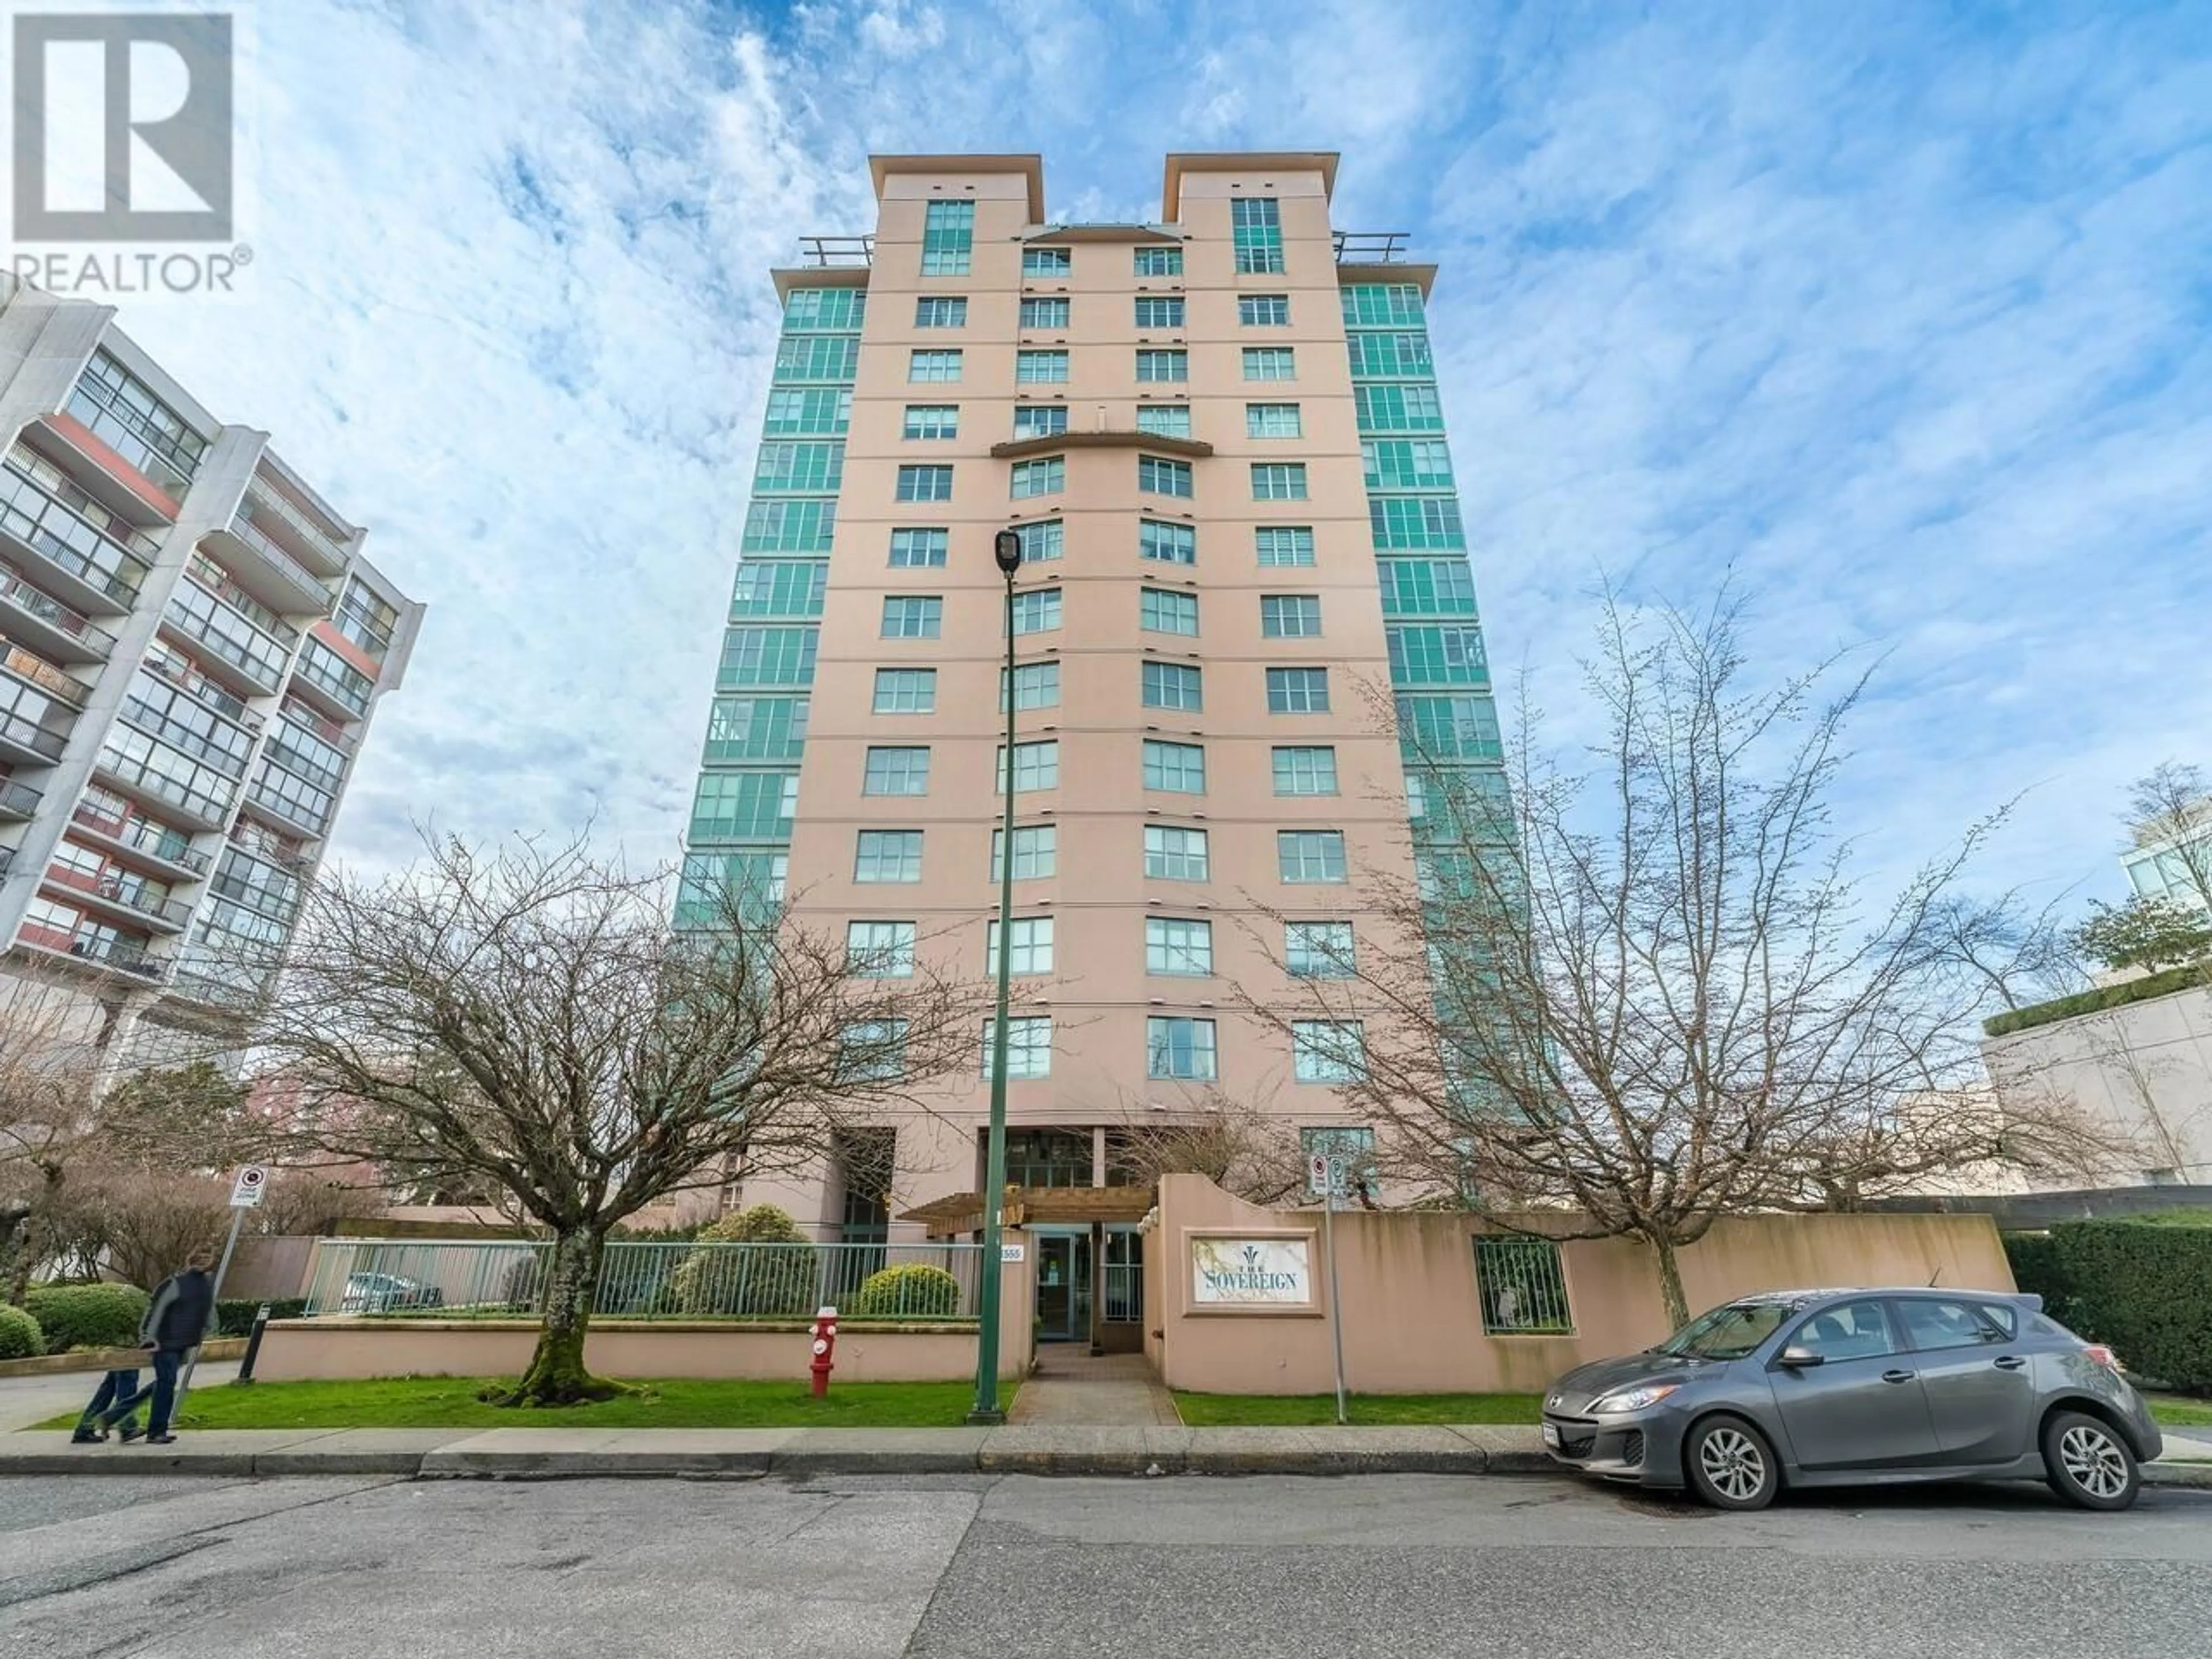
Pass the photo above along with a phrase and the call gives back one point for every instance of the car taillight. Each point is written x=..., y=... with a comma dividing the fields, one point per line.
x=2104, y=1356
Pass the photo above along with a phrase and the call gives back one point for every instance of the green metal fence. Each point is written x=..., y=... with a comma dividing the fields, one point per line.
x=430, y=1278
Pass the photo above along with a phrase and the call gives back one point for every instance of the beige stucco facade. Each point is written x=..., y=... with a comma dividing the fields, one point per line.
x=1100, y=992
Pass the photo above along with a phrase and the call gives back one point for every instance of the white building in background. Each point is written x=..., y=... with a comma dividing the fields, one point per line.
x=2174, y=867
x=192, y=648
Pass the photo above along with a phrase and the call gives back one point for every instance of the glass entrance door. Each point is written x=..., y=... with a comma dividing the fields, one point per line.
x=1063, y=1287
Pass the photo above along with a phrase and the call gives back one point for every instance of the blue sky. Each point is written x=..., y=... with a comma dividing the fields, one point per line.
x=1900, y=310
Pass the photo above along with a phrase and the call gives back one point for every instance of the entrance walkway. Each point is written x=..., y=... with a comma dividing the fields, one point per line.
x=1114, y=1390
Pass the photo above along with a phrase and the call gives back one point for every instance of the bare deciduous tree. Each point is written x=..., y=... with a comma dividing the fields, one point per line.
x=1237, y=1146
x=1648, y=985
x=528, y=1022
x=2170, y=807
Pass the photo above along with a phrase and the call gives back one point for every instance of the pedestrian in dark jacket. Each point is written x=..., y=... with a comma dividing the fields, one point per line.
x=177, y=1322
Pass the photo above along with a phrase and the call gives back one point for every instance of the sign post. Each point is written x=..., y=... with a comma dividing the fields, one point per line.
x=1327, y=1170
x=249, y=1186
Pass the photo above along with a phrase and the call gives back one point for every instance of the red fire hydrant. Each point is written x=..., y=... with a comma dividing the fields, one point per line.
x=825, y=1349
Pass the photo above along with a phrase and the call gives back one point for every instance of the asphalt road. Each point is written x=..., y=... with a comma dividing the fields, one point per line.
x=1021, y=1569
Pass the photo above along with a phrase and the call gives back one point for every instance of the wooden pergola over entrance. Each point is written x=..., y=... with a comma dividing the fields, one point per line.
x=960, y=1215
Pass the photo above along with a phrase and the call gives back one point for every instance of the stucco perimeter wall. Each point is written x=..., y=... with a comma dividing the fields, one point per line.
x=295, y=1349
x=1413, y=1321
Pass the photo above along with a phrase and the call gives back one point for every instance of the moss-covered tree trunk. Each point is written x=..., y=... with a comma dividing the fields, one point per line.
x=557, y=1375
x=1670, y=1282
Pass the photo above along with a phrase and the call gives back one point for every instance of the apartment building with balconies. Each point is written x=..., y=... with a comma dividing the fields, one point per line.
x=192, y=648
x=1219, y=437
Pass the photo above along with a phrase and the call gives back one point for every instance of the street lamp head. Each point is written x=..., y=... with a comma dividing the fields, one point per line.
x=1006, y=548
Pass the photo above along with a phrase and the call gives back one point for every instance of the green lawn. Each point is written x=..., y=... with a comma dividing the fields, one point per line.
x=1301, y=1410
x=2180, y=1411
x=450, y=1402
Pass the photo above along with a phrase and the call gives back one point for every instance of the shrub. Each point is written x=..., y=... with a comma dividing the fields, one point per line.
x=87, y=1315
x=2147, y=1290
x=913, y=1291
x=19, y=1336
x=775, y=1275
x=235, y=1318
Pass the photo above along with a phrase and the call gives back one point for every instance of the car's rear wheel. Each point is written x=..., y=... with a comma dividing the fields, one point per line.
x=1730, y=1465
x=2088, y=1462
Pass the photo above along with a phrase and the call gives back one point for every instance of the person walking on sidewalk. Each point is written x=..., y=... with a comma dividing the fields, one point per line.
x=177, y=1322
x=117, y=1385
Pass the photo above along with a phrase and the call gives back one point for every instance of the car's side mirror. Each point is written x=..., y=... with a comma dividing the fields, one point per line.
x=1793, y=1359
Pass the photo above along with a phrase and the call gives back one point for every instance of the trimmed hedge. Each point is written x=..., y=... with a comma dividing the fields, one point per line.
x=87, y=1315
x=914, y=1291
x=235, y=1318
x=19, y=1336
x=2165, y=982
x=2147, y=1290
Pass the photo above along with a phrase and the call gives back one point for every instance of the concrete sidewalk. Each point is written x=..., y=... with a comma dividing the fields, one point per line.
x=1048, y=1449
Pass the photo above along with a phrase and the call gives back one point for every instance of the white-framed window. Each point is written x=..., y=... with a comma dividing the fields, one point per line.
x=1041, y=421
x=1044, y=313
x=1159, y=262
x=1180, y=1049
x=930, y=421
x=1273, y=421
x=1164, y=420
x=933, y=367
x=940, y=311
x=948, y=236
x=1162, y=612
x=872, y=1050
x=879, y=950
x=1041, y=367
x=1047, y=261
x=1172, y=686
x=1172, y=854
x=1167, y=544
x=1297, y=690
x=1318, y=949
x=920, y=548
x=1179, y=949
x=1303, y=856
x=1263, y=310
x=1043, y=541
x=1036, y=685
x=1279, y=481
x=913, y=616
x=1284, y=544
x=1037, y=612
x=1328, y=1050
x=1032, y=946
x=1045, y=475
x=1157, y=476
x=884, y=855
x=1305, y=771
x=1406, y=462
x=1176, y=767
x=1029, y=1047
x=1160, y=311
x=1037, y=766
x=1037, y=852
x=896, y=771
x=924, y=483
x=1290, y=615
x=1157, y=364
x=1270, y=363
x=906, y=691
x=1255, y=232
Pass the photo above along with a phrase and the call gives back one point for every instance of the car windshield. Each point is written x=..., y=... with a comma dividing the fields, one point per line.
x=1729, y=1333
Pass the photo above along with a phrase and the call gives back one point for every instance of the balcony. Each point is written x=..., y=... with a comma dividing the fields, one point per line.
x=294, y=816
x=33, y=726
x=127, y=775
x=210, y=693
x=140, y=840
x=303, y=755
x=314, y=545
x=238, y=647
x=338, y=735
x=331, y=685
x=19, y=802
x=142, y=716
x=268, y=572
x=34, y=670
x=1371, y=247
x=286, y=853
x=272, y=902
x=89, y=566
x=118, y=899
x=49, y=626
x=115, y=955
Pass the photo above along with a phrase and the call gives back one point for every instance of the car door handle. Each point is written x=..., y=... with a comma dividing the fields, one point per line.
x=1896, y=1376
x=2011, y=1361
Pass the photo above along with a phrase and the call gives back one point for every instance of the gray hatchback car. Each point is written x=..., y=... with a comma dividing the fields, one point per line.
x=1841, y=1388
